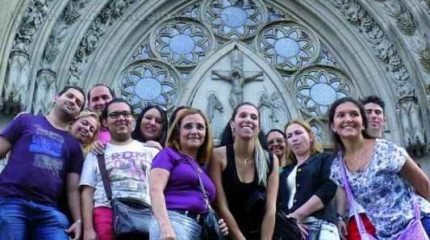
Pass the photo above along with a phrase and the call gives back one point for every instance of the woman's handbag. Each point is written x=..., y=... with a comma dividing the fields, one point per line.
x=414, y=230
x=210, y=226
x=286, y=228
x=129, y=217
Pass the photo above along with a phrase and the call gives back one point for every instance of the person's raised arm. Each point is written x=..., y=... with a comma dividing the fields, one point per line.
x=87, y=196
x=74, y=204
x=416, y=177
x=158, y=181
x=268, y=224
x=217, y=164
x=4, y=147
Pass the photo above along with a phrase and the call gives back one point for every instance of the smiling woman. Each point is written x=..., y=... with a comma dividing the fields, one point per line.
x=151, y=126
x=378, y=173
x=246, y=177
x=85, y=129
x=181, y=168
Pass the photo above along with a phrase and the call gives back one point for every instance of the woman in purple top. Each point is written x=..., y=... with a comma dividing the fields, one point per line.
x=177, y=199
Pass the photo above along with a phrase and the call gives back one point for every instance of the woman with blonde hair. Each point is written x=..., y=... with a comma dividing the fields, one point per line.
x=246, y=177
x=306, y=191
x=177, y=176
x=85, y=129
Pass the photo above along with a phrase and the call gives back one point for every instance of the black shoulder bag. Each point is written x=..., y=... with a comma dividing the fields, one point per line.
x=210, y=226
x=130, y=217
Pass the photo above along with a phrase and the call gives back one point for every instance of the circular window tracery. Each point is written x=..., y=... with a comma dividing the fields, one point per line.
x=317, y=87
x=287, y=45
x=232, y=19
x=149, y=81
x=183, y=42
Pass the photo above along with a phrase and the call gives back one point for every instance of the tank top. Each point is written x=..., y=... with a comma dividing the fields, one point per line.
x=244, y=201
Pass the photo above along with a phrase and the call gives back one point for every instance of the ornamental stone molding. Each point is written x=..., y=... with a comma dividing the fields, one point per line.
x=308, y=42
x=113, y=11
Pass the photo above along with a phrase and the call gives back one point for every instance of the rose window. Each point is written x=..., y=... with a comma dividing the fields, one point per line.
x=181, y=41
x=317, y=88
x=149, y=81
x=233, y=19
x=287, y=45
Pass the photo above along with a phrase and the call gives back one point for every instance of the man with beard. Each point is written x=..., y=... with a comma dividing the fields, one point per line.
x=43, y=158
x=127, y=163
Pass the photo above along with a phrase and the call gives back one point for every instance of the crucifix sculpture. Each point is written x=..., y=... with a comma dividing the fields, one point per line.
x=236, y=77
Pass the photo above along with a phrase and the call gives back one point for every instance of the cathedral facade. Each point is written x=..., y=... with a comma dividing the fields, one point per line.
x=292, y=58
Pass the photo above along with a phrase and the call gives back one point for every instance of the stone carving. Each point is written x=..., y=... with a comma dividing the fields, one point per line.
x=214, y=111
x=421, y=45
x=384, y=49
x=31, y=21
x=70, y=14
x=237, y=78
x=234, y=19
x=17, y=81
x=183, y=42
x=107, y=16
x=410, y=117
x=266, y=107
x=404, y=18
x=45, y=90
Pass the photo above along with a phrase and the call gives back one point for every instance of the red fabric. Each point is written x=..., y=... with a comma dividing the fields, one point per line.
x=352, y=228
x=103, y=223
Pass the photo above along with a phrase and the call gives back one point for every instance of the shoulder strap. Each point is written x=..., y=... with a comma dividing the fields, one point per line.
x=104, y=175
x=202, y=186
x=350, y=196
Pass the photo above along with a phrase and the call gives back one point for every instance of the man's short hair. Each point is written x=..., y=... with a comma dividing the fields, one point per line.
x=115, y=100
x=112, y=93
x=373, y=99
x=66, y=88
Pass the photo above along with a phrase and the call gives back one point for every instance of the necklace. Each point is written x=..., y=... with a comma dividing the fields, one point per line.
x=244, y=160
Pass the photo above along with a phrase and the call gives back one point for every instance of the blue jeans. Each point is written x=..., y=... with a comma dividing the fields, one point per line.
x=185, y=227
x=426, y=223
x=22, y=219
x=321, y=230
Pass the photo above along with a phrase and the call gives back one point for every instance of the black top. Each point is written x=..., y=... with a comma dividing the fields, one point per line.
x=313, y=178
x=246, y=201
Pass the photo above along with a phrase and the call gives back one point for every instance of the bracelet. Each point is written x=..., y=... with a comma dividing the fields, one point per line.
x=339, y=217
x=78, y=221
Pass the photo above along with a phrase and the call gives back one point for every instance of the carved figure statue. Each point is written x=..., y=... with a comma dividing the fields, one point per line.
x=17, y=78
x=45, y=91
x=236, y=77
x=30, y=23
x=214, y=110
x=410, y=118
x=267, y=112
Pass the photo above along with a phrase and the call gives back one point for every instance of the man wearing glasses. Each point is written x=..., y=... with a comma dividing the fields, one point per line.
x=127, y=162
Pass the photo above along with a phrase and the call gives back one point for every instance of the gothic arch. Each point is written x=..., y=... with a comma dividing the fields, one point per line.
x=95, y=41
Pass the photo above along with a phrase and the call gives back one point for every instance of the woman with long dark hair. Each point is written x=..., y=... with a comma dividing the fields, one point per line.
x=380, y=175
x=151, y=126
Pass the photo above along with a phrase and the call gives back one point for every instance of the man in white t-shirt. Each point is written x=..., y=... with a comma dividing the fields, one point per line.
x=128, y=163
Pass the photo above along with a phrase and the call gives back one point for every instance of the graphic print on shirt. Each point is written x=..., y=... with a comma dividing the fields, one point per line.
x=128, y=172
x=47, y=147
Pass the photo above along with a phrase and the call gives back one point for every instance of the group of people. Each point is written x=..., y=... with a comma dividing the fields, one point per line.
x=52, y=186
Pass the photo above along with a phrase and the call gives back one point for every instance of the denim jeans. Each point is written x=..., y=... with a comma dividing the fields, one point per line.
x=185, y=227
x=22, y=219
x=321, y=230
x=426, y=223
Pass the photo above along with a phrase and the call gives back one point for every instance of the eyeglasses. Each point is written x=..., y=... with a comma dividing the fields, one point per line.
x=278, y=141
x=116, y=115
